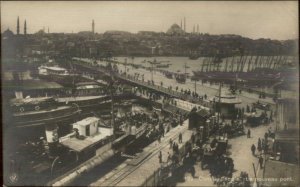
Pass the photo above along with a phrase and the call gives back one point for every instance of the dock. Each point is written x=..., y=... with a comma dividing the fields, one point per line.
x=144, y=169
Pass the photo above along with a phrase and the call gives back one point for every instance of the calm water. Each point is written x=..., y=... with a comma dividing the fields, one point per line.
x=177, y=63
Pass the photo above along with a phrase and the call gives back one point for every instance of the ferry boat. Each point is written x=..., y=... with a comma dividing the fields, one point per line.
x=40, y=111
x=180, y=78
x=193, y=57
x=169, y=75
x=86, y=103
x=53, y=70
x=154, y=62
x=162, y=65
x=57, y=74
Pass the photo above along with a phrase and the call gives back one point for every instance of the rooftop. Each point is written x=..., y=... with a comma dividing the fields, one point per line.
x=87, y=121
x=79, y=145
x=55, y=68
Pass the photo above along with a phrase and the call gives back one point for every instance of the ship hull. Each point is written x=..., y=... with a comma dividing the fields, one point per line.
x=87, y=103
x=44, y=117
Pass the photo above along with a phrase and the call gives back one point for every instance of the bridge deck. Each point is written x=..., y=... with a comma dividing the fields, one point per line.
x=141, y=83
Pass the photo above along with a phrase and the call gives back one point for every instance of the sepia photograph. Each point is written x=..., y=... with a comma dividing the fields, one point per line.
x=150, y=93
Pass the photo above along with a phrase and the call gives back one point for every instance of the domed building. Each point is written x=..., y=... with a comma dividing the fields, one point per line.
x=175, y=30
x=7, y=34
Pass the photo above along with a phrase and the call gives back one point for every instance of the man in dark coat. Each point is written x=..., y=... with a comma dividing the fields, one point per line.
x=259, y=145
x=261, y=160
x=193, y=138
x=253, y=148
x=180, y=138
x=248, y=133
x=160, y=157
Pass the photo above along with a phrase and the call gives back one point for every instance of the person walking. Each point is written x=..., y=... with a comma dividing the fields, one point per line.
x=248, y=133
x=163, y=131
x=261, y=160
x=193, y=138
x=259, y=147
x=266, y=137
x=253, y=148
x=259, y=142
x=171, y=143
x=174, y=147
x=193, y=171
x=160, y=157
x=180, y=138
x=169, y=158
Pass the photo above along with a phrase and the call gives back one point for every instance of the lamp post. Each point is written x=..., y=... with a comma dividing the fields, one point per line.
x=125, y=66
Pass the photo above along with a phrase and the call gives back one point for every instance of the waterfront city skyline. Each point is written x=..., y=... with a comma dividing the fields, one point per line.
x=272, y=19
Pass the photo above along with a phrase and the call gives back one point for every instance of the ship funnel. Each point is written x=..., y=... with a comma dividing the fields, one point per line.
x=19, y=95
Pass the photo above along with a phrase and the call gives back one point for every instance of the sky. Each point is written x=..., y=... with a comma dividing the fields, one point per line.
x=253, y=19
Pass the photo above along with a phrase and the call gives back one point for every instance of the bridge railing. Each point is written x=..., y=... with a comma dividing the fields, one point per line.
x=168, y=91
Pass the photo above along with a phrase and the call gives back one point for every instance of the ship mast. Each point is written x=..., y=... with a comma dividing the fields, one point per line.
x=232, y=63
x=112, y=100
x=203, y=64
x=226, y=64
x=249, y=63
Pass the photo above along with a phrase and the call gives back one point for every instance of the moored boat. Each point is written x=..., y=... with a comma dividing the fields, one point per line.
x=40, y=111
x=180, y=78
x=86, y=103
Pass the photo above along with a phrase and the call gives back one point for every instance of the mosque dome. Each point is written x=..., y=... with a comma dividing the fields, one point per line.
x=7, y=34
x=175, y=29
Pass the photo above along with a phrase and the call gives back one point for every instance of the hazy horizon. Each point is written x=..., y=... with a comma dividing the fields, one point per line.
x=253, y=19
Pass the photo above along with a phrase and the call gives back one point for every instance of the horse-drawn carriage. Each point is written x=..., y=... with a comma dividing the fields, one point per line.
x=256, y=118
x=213, y=159
x=261, y=106
x=233, y=130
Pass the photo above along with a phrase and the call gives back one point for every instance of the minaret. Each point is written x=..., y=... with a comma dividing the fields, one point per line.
x=93, y=27
x=181, y=24
x=184, y=24
x=48, y=30
x=18, y=26
x=194, y=29
x=197, y=28
x=25, y=27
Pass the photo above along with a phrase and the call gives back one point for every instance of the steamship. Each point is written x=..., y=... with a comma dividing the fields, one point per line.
x=58, y=74
x=180, y=78
x=28, y=111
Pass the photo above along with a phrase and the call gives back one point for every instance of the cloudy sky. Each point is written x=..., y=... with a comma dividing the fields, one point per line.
x=268, y=19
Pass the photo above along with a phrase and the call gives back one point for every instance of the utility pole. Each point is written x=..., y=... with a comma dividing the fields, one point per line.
x=112, y=102
x=219, y=108
x=152, y=72
x=125, y=66
x=255, y=178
